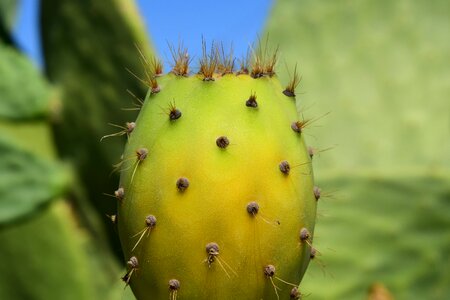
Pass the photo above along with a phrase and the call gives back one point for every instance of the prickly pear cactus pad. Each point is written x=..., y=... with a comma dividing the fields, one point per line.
x=216, y=197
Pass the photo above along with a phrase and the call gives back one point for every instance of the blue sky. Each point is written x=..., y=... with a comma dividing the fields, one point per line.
x=168, y=21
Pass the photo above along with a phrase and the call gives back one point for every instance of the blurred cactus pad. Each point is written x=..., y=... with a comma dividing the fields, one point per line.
x=381, y=69
x=40, y=233
x=7, y=18
x=88, y=45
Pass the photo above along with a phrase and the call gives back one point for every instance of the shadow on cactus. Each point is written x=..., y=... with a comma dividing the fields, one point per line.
x=216, y=197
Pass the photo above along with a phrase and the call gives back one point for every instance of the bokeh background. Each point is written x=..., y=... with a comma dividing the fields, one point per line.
x=381, y=68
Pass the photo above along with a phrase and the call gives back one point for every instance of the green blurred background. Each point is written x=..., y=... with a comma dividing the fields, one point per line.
x=380, y=67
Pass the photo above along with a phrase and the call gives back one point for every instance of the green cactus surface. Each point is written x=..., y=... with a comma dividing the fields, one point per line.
x=33, y=100
x=47, y=251
x=216, y=197
x=88, y=45
x=7, y=17
x=374, y=229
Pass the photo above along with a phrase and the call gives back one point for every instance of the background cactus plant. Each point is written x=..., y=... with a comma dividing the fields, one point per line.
x=95, y=42
x=7, y=17
x=39, y=235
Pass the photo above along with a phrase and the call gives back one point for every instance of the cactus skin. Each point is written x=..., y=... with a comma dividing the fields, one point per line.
x=91, y=77
x=221, y=183
x=41, y=237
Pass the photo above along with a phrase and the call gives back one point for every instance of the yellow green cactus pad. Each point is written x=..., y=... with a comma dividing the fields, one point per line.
x=216, y=197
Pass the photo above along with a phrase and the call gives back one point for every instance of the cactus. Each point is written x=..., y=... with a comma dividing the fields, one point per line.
x=7, y=18
x=41, y=234
x=216, y=197
x=88, y=45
